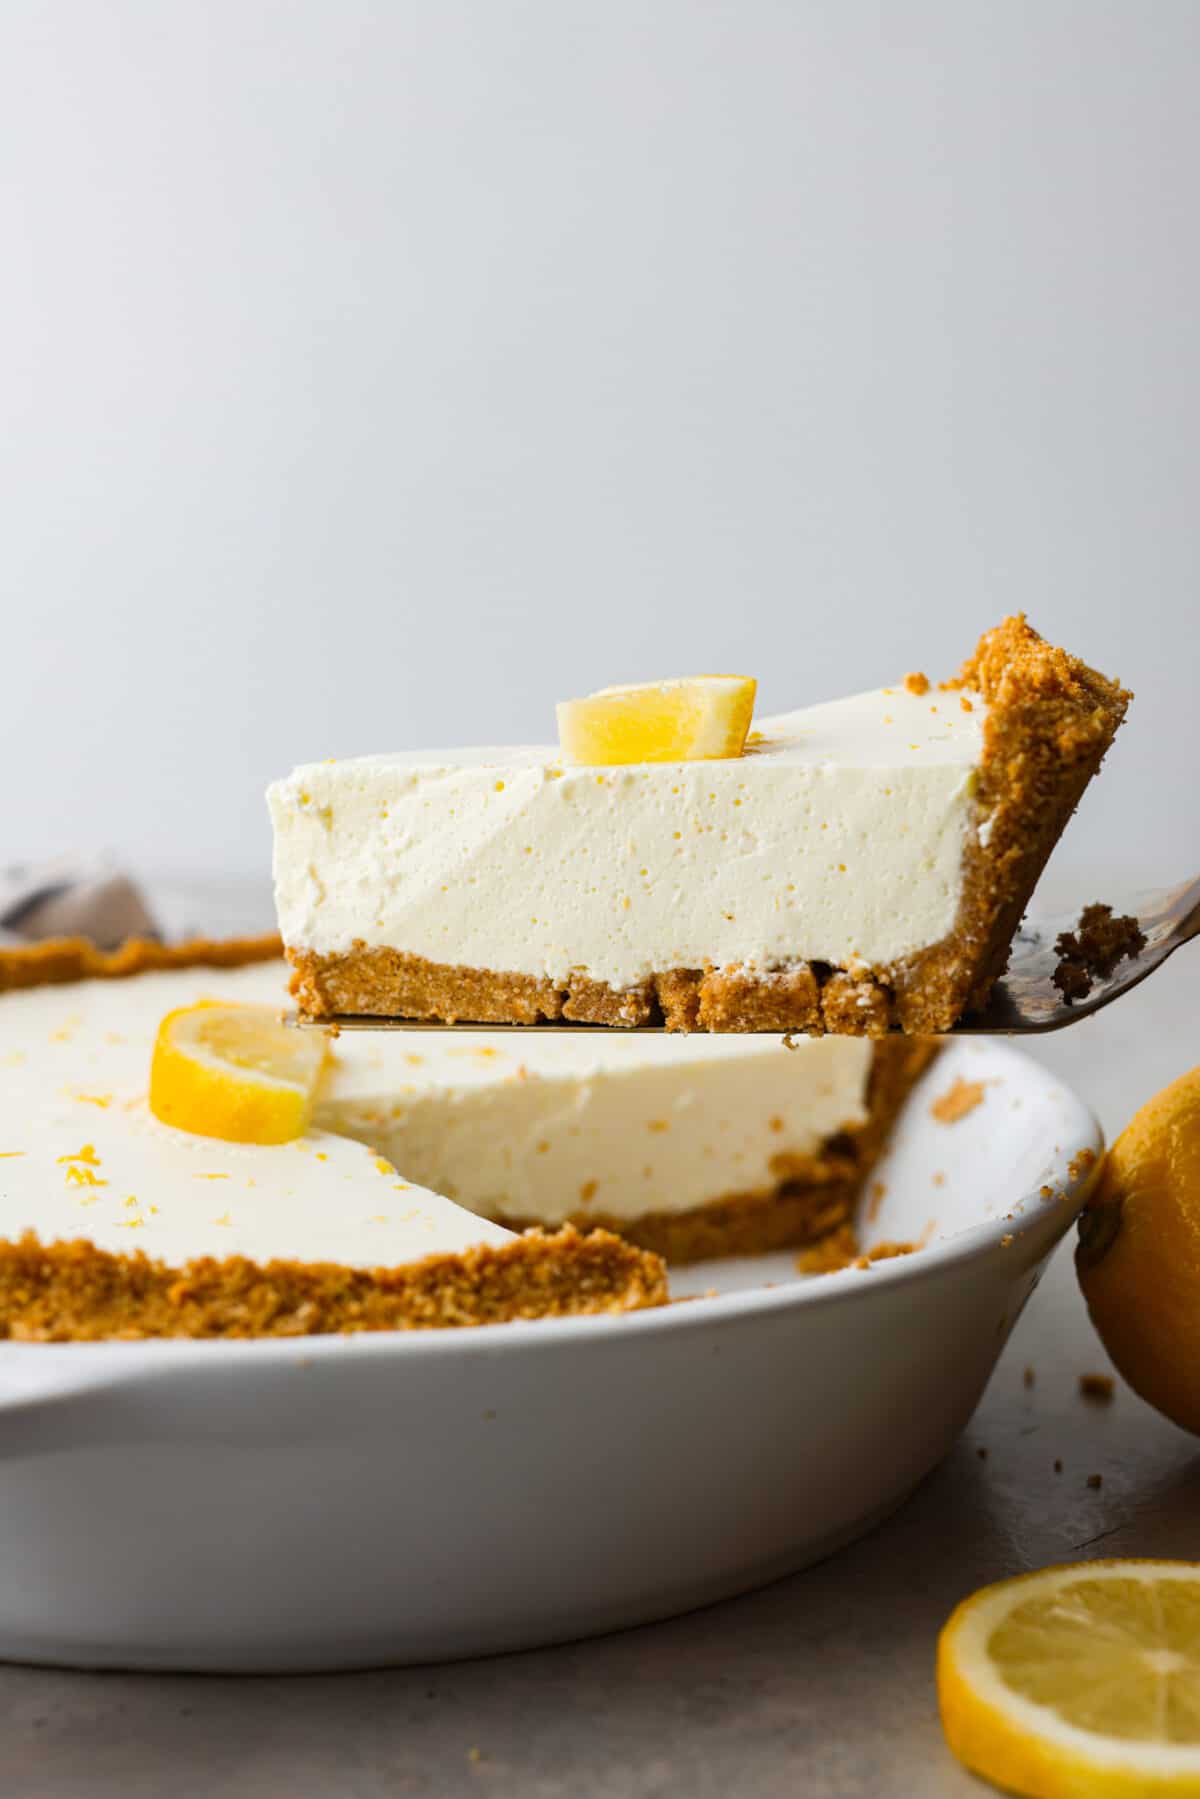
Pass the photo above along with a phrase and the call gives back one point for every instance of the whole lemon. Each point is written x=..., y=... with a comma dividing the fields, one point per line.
x=1138, y=1257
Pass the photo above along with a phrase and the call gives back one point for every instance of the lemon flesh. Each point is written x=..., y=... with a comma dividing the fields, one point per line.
x=235, y=1072
x=703, y=719
x=1078, y=1680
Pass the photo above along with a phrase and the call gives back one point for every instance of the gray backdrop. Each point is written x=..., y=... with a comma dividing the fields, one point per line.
x=375, y=374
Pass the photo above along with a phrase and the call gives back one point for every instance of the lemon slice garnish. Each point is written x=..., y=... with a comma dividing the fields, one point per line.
x=235, y=1072
x=1075, y=1680
x=702, y=719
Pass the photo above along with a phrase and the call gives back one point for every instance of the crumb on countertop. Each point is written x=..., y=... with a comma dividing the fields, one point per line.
x=1095, y=1480
x=1030, y=1376
x=1099, y=1387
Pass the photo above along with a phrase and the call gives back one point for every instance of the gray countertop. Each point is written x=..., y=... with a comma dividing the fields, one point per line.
x=818, y=1685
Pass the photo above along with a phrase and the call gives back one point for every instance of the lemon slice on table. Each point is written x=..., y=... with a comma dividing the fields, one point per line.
x=1081, y=1680
x=235, y=1072
x=702, y=719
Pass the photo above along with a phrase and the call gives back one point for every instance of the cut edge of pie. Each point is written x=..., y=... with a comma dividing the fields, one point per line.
x=814, y=1195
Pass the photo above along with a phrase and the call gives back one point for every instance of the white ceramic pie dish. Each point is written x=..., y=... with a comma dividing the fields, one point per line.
x=327, y=1503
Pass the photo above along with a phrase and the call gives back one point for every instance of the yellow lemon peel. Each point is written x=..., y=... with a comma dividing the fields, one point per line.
x=1077, y=1680
x=235, y=1072
x=704, y=718
x=1138, y=1258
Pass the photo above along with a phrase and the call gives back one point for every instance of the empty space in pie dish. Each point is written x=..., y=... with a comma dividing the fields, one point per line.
x=991, y=1153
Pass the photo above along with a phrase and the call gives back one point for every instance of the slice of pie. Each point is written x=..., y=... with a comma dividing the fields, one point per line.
x=428, y=1151
x=113, y=1224
x=863, y=865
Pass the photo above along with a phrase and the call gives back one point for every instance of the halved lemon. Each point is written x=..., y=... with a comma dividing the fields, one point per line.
x=701, y=719
x=1078, y=1680
x=235, y=1072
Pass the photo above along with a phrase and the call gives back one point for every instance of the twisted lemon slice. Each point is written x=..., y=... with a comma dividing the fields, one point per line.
x=1078, y=1680
x=702, y=719
x=235, y=1072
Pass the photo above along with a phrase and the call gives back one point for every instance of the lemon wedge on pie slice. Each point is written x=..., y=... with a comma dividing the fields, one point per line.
x=702, y=719
x=1078, y=1680
x=235, y=1072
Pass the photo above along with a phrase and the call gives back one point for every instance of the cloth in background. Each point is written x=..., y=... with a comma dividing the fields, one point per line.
x=71, y=897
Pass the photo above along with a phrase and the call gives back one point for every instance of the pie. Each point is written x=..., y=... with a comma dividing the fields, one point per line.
x=862, y=866
x=429, y=1151
x=115, y=1225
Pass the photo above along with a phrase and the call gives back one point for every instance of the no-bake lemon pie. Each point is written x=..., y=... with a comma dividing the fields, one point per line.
x=850, y=867
x=423, y=1155
x=169, y=1167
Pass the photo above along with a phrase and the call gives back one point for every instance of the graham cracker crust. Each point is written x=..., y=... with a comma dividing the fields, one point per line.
x=60, y=960
x=815, y=1195
x=1050, y=722
x=75, y=1292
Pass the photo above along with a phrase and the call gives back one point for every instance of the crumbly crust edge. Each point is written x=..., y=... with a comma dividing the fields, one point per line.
x=74, y=1292
x=60, y=960
x=1051, y=721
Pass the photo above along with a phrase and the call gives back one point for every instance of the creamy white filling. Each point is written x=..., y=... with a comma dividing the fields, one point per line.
x=82, y=1157
x=838, y=838
x=540, y=1130
x=127, y=1183
x=530, y=1127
